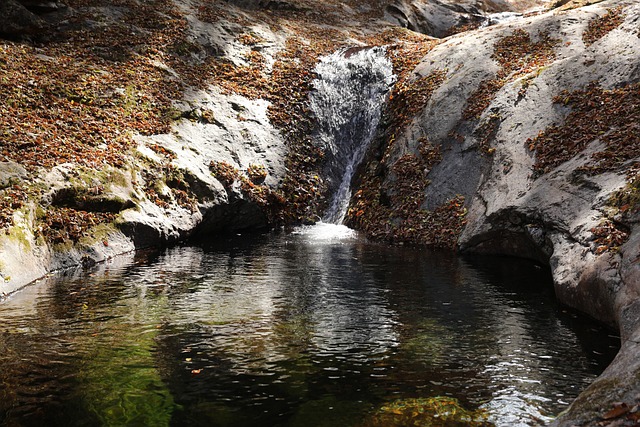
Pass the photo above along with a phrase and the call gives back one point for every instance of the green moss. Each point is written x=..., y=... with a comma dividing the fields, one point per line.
x=20, y=235
x=65, y=246
x=40, y=212
x=87, y=177
x=117, y=177
x=172, y=114
x=628, y=198
x=99, y=233
x=40, y=240
x=129, y=102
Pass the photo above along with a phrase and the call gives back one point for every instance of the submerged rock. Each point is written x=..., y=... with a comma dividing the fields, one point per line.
x=426, y=412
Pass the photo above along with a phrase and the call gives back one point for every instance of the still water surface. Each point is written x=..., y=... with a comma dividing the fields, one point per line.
x=291, y=330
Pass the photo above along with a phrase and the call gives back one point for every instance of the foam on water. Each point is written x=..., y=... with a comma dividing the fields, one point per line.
x=323, y=232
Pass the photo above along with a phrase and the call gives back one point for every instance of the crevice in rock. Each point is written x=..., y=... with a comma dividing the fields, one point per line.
x=82, y=199
x=239, y=214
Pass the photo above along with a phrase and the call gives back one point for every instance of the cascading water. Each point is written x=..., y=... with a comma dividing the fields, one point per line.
x=349, y=93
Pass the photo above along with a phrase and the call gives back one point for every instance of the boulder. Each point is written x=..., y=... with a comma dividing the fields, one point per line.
x=434, y=18
x=16, y=19
x=11, y=173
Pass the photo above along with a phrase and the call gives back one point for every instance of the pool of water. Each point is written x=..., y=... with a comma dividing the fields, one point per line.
x=312, y=328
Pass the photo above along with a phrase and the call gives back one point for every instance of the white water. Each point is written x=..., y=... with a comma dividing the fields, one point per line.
x=323, y=232
x=501, y=17
x=349, y=93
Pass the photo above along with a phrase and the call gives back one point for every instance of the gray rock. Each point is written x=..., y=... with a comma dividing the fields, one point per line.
x=11, y=173
x=434, y=18
x=438, y=18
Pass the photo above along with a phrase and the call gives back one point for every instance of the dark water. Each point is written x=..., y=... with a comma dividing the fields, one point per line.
x=285, y=330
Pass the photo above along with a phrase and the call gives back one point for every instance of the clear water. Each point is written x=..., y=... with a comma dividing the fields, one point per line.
x=314, y=328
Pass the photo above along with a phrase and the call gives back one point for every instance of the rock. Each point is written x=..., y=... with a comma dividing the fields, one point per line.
x=439, y=18
x=430, y=17
x=43, y=6
x=11, y=173
x=618, y=384
x=549, y=217
x=15, y=19
x=239, y=143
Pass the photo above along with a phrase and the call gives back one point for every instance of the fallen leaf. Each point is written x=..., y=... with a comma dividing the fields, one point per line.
x=618, y=410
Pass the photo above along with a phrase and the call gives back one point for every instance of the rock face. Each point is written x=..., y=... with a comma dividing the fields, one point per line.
x=167, y=164
x=166, y=188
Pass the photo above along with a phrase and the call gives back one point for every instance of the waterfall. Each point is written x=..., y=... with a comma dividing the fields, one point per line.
x=350, y=88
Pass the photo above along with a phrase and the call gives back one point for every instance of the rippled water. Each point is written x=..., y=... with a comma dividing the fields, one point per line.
x=291, y=330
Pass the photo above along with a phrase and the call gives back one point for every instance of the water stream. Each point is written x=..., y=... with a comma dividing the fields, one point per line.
x=350, y=89
x=291, y=330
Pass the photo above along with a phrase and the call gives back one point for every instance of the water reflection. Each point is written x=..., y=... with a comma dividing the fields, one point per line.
x=289, y=330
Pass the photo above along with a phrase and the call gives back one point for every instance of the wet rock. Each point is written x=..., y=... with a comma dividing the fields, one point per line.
x=432, y=18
